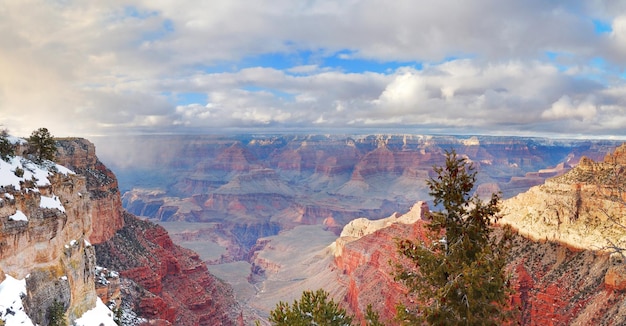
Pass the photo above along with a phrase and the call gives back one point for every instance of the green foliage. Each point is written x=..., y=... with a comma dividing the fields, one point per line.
x=19, y=172
x=458, y=273
x=42, y=145
x=312, y=309
x=371, y=317
x=56, y=314
x=119, y=314
x=6, y=148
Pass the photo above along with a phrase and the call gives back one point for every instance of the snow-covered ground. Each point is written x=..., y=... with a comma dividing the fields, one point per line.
x=11, y=309
x=12, y=312
x=100, y=315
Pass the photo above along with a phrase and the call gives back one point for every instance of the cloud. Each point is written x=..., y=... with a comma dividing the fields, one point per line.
x=123, y=65
x=565, y=108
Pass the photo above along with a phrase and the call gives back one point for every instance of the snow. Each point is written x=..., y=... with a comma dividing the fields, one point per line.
x=51, y=202
x=31, y=170
x=11, y=309
x=18, y=216
x=7, y=172
x=63, y=170
x=16, y=140
x=9, y=196
x=100, y=315
x=73, y=243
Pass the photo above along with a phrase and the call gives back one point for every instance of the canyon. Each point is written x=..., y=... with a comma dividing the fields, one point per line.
x=267, y=212
x=230, y=225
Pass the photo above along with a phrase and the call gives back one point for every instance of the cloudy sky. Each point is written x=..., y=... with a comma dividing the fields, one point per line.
x=528, y=67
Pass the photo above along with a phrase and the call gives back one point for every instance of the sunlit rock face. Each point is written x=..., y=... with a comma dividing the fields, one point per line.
x=584, y=208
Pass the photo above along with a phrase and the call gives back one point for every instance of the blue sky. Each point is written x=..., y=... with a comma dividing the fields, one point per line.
x=553, y=68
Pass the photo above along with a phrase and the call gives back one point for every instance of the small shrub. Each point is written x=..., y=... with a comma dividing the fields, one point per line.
x=56, y=314
x=19, y=172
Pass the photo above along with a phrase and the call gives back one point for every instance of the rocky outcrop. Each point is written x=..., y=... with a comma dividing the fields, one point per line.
x=80, y=156
x=45, y=220
x=584, y=208
x=363, y=254
x=557, y=285
x=183, y=291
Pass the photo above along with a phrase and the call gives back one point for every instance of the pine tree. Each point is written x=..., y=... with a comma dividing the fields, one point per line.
x=458, y=274
x=42, y=145
x=312, y=309
x=6, y=148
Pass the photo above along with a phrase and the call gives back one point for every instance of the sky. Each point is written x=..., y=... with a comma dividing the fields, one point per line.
x=533, y=67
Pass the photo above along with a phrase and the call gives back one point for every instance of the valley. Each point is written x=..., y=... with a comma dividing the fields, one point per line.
x=264, y=210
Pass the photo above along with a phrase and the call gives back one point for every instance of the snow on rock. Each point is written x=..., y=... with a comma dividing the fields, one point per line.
x=51, y=202
x=11, y=309
x=7, y=173
x=18, y=216
x=31, y=171
x=100, y=315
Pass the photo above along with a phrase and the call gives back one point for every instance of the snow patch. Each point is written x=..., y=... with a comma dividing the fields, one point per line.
x=11, y=309
x=18, y=216
x=100, y=315
x=63, y=170
x=51, y=202
x=31, y=171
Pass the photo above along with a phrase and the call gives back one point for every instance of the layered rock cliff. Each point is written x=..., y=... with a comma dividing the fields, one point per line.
x=45, y=223
x=105, y=201
x=179, y=288
x=584, y=208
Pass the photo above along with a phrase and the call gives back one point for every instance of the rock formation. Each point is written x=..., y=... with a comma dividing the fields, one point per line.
x=583, y=208
x=45, y=221
x=50, y=215
x=79, y=155
x=178, y=287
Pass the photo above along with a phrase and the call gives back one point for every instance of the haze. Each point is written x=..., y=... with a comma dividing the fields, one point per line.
x=487, y=67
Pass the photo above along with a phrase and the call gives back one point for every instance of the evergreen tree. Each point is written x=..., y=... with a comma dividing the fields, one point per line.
x=458, y=274
x=6, y=148
x=42, y=145
x=312, y=309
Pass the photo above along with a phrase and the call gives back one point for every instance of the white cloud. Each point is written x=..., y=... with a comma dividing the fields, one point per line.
x=565, y=108
x=91, y=67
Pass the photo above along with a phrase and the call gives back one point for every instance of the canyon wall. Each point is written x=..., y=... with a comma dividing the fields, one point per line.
x=45, y=223
x=179, y=288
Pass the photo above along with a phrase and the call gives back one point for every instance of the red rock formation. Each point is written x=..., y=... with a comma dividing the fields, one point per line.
x=553, y=284
x=366, y=264
x=184, y=291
